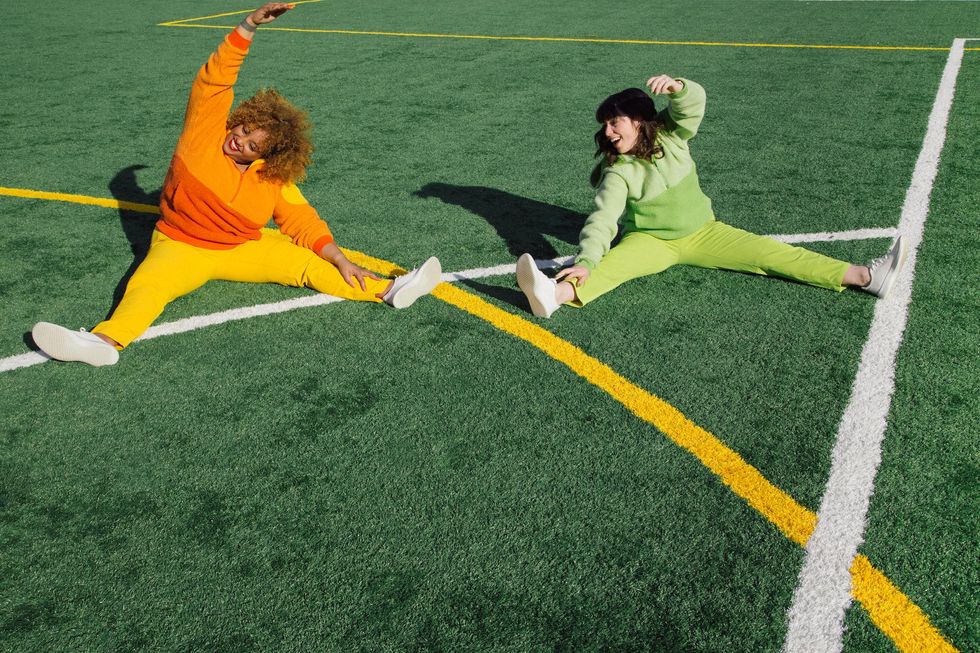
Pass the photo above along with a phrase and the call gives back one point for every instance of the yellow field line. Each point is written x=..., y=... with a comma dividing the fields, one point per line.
x=79, y=199
x=894, y=613
x=570, y=39
x=889, y=609
x=795, y=521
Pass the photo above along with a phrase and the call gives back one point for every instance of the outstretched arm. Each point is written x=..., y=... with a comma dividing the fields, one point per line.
x=349, y=271
x=264, y=14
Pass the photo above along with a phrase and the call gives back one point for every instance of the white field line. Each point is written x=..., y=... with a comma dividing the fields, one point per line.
x=191, y=324
x=816, y=616
x=201, y=321
x=855, y=234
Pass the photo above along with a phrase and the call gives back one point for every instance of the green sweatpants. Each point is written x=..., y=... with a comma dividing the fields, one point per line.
x=715, y=245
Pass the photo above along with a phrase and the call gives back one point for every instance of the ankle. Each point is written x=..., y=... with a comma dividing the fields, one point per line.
x=107, y=340
x=857, y=275
x=384, y=293
x=564, y=292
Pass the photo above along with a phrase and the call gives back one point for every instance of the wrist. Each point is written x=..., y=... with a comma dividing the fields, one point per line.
x=330, y=252
x=248, y=25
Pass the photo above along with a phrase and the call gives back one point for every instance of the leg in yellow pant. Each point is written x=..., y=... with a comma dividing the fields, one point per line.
x=172, y=269
x=716, y=245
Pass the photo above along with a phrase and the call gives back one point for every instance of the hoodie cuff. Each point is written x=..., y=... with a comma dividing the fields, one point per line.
x=237, y=40
x=321, y=242
x=681, y=93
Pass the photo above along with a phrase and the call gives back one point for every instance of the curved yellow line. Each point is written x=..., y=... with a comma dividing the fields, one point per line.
x=893, y=612
x=889, y=609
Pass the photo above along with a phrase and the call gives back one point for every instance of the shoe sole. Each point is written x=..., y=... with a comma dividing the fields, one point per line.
x=427, y=277
x=59, y=343
x=530, y=283
x=899, y=261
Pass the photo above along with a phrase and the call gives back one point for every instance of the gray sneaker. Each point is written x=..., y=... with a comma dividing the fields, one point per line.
x=885, y=268
x=65, y=345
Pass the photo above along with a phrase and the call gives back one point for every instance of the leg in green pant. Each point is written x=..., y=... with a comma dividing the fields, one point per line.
x=717, y=246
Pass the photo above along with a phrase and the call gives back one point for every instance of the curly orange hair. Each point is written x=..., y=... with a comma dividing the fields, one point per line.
x=287, y=149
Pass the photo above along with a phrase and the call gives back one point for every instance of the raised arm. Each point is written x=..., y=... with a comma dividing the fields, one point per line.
x=212, y=93
x=264, y=14
x=687, y=102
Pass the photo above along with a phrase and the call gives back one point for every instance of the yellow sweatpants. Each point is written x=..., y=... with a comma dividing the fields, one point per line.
x=172, y=269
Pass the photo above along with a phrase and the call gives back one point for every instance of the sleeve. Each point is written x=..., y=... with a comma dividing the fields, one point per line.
x=212, y=93
x=603, y=223
x=685, y=111
x=300, y=221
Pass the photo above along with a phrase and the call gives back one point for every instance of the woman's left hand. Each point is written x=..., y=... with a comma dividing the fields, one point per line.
x=269, y=12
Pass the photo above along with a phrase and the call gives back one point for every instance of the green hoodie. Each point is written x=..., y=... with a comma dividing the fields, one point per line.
x=660, y=197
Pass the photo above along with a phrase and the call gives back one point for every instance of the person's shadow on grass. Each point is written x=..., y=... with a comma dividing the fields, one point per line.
x=137, y=223
x=520, y=222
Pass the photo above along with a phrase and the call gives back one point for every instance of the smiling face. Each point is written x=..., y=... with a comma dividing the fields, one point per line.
x=622, y=133
x=243, y=145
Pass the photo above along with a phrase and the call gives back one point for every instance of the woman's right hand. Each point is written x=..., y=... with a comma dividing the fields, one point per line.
x=269, y=12
x=576, y=274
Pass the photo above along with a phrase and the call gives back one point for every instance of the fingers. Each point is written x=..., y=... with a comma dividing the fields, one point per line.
x=270, y=11
x=282, y=8
x=662, y=84
x=656, y=84
x=359, y=274
x=575, y=274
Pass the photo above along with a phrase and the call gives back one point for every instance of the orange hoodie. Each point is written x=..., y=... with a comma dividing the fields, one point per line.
x=207, y=201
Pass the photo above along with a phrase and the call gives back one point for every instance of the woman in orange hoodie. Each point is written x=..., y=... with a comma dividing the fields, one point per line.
x=230, y=172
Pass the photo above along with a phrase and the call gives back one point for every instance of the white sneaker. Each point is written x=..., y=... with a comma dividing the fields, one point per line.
x=64, y=345
x=409, y=287
x=884, y=269
x=537, y=287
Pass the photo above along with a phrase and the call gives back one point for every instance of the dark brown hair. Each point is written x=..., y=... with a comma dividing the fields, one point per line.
x=635, y=104
x=287, y=148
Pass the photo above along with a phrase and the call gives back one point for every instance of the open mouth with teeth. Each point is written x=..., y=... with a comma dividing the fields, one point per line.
x=233, y=144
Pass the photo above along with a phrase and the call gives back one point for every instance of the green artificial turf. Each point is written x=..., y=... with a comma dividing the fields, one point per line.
x=351, y=478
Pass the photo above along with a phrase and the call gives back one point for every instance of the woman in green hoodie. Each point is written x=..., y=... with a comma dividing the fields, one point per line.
x=646, y=172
